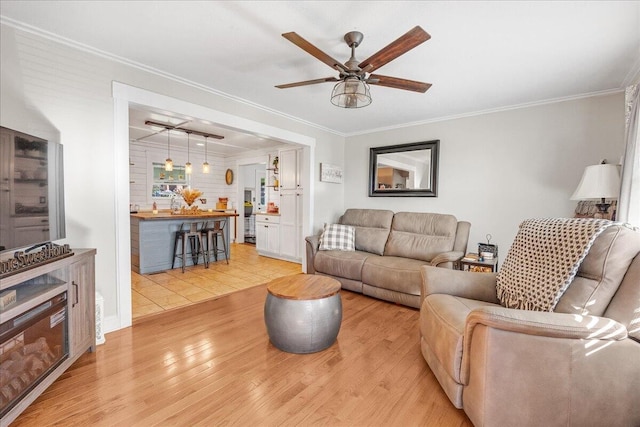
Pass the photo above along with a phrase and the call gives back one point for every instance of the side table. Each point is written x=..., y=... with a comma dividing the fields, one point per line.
x=486, y=266
x=303, y=312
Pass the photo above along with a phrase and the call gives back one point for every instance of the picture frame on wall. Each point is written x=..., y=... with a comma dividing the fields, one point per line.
x=330, y=173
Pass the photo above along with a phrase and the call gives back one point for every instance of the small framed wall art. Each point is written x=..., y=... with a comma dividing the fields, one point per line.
x=330, y=173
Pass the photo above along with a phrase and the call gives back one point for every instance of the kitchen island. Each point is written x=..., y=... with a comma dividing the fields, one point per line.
x=152, y=238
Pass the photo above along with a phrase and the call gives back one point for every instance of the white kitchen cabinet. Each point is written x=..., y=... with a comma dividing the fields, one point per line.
x=289, y=233
x=289, y=169
x=291, y=195
x=268, y=235
x=289, y=226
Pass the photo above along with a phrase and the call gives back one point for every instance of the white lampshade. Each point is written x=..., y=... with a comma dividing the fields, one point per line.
x=598, y=182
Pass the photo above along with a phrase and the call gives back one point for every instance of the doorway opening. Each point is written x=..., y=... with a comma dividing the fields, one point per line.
x=126, y=96
x=254, y=197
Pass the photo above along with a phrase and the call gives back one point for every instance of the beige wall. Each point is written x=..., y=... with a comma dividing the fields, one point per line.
x=497, y=169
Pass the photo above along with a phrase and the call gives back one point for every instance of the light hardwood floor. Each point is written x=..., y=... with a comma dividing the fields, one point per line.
x=212, y=364
x=155, y=293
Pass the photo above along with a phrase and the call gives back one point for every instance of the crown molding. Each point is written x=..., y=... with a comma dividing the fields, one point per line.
x=633, y=76
x=109, y=56
x=488, y=111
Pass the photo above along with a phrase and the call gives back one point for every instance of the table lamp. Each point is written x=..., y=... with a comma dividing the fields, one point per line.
x=599, y=182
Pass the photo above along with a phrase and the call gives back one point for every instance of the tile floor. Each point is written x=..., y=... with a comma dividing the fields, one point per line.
x=155, y=293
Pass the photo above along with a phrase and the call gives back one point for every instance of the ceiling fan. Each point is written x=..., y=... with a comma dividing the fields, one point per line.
x=352, y=90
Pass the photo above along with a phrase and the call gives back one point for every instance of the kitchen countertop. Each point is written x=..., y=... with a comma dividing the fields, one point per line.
x=166, y=215
x=268, y=213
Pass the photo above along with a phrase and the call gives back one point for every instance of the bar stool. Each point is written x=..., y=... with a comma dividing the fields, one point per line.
x=211, y=231
x=192, y=232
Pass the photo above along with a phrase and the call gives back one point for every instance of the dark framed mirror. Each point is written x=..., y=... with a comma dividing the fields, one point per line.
x=404, y=170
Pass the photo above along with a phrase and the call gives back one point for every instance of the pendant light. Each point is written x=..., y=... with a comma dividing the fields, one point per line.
x=205, y=165
x=168, y=164
x=188, y=169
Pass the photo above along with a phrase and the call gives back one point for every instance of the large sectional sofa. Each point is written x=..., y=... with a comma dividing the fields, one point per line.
x=389, y=251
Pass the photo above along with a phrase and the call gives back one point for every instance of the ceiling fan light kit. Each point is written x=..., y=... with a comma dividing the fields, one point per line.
x=352, y=89
x=351, y=93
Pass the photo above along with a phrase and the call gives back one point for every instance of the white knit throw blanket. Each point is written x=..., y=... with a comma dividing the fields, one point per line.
x=544, y=259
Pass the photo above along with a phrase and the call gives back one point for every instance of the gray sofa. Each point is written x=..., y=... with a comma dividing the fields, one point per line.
x=390, y=249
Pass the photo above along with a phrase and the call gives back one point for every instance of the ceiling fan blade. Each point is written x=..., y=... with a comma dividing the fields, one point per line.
x=308, y=82
x=396, y=83
x=405, y=43
x=314, y=51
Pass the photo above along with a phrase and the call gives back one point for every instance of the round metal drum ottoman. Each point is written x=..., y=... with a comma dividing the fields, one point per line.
x=303, y=312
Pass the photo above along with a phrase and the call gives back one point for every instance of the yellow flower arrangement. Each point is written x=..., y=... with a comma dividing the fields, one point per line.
x=190, y=195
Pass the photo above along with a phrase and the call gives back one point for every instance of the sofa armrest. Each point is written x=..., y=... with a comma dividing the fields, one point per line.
x=546, y=324
x=445, y=257
x=562, y=367
x=555, y=326
x=465, y=284
x=312, y=243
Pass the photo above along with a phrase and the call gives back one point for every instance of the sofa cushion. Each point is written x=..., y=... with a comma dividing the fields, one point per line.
x=393, y=273
x=372, y=228
x=347, y=264
x=337, y=237
x=442, y=323
x=601, y=272
x=420, y=235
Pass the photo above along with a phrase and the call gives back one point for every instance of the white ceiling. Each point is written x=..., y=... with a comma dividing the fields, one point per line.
x=482, y=55
x=234, y=143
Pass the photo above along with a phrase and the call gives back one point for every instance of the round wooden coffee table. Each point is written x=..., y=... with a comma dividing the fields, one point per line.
x=303, y=312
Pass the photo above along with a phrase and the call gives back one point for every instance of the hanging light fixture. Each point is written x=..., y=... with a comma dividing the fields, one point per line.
x=188, y=169
x=168, y=164
x=205, y=165
x=352, y=92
